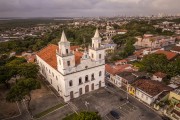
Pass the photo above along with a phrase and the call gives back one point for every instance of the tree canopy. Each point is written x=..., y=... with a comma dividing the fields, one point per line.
x=22, y=89
x=28, y=70
x=158, y=63
x=83, y=116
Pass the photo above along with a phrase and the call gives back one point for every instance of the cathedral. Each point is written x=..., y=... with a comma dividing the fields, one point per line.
x=73, y=73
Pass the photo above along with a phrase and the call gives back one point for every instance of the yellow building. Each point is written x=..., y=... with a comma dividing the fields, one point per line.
x=174, y=96
x=131, y=90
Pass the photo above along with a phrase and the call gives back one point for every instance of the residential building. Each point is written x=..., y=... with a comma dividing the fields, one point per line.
x=159, y=76
x=169, y=55
x=73, y=73
x=113, y=70
x=149, y=90
x=175, y=114
x=109, y=47
x=176, y=49
x=175, y=80
x=121, y=62
x=125, y=79
x=149, y=40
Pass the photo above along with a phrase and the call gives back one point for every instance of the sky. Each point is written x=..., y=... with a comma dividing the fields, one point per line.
x=86, y=8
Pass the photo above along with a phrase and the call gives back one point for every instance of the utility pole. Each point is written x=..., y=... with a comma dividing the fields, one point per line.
x=127, y=97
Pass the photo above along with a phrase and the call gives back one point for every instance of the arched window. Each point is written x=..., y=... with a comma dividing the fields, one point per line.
x=92, y=55
x=100, y=73
x=86, y=78
x=92, y=76
x=53, y=74
x=80, y=80
x=60, y=62
x=70, y=83
x=68, y=63
x=67, y=51
x=56, y=78
x=57, y=88
x=99, y=56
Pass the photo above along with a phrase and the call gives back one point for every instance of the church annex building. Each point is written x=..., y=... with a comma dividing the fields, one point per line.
x=73, y=73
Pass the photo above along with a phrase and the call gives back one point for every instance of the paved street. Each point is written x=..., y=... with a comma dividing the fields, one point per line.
x=59, y=114
x=24, y=112
x=103, y=101
x=107, y=99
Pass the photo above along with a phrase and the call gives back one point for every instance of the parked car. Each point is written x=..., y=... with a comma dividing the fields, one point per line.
x=121, y=99
x=115, y=114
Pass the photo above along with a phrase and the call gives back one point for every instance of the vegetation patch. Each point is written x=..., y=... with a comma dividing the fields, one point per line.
x=43, y=113
x=83, y=116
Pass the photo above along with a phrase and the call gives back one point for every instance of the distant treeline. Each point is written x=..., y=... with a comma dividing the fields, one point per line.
x=25, y=23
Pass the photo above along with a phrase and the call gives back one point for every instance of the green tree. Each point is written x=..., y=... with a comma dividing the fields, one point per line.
x=22, y=90
x=14, y=65
x=173, y=68
x=153, y=63
x=28, y=70
x=119, y=40
x=84, y=116
x=5, y=75
x=87, y=116
x=16, y=61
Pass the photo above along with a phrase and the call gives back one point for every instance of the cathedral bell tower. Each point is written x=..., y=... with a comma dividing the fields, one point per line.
x=97, y=51
x=65, y=57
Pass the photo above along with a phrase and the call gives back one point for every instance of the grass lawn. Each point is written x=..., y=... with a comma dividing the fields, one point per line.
x=39, y=115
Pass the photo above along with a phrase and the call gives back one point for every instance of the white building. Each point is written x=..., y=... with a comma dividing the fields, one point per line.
x=158, y=76
x=149, y=90
x=149, y=40
x=73, y=73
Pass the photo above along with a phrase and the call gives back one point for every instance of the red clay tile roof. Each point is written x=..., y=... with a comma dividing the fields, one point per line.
x=169, y=55
x=176, y=112
x=176, y=48
x=115, y=69
x=48, y=54
x=139, y=53
x=150, y=87
x=160, y=74
x=78, y=56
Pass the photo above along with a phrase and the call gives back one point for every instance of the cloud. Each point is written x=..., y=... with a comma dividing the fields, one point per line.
x=59, y=8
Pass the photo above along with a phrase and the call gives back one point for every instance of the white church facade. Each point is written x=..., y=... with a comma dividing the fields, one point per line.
x=73, y=73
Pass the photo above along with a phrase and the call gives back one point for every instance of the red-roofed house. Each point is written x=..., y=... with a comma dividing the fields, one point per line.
x=71, y=72
x=149, y=90
x=169, y=55
x=176, y=49
x=113, y=70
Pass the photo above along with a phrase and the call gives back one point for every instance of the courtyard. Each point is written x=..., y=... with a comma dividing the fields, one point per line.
x=106, y=99
x=102, y=101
